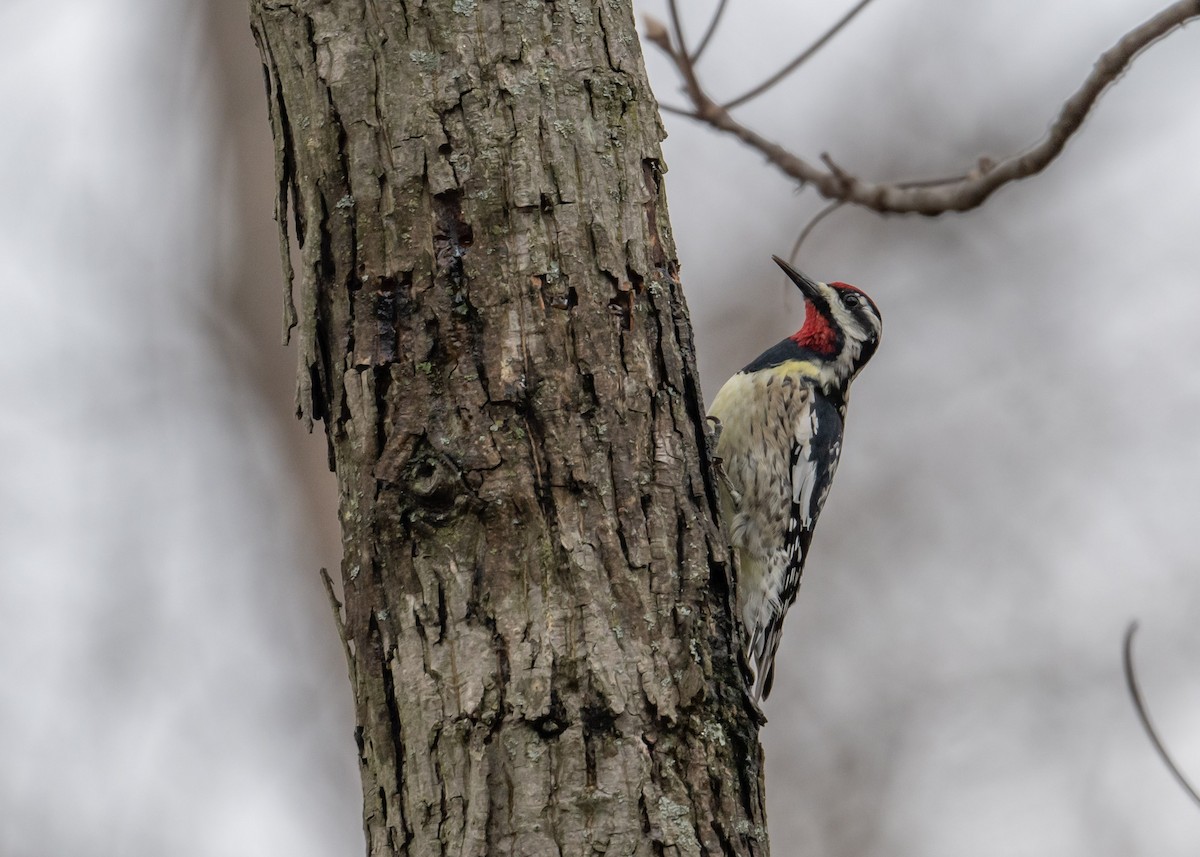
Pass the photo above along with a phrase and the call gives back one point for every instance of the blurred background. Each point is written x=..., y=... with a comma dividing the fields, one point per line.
x=1021, y=476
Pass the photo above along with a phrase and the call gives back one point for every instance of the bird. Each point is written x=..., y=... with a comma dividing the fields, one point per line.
x=779, y=425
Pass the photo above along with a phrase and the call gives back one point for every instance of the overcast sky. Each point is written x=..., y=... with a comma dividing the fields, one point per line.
x=1021, y=474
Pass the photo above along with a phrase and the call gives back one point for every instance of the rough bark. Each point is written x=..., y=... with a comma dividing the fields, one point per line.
x=492, y=330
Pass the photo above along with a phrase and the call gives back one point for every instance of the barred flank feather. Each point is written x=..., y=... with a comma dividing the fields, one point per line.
x=779, y=471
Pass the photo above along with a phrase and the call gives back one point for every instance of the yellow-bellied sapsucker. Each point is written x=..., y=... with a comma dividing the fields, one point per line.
x=780, y=422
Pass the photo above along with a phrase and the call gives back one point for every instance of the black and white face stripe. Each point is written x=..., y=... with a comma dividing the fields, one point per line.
x=857, y=317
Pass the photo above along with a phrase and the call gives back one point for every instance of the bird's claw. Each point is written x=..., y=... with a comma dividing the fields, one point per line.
x=712, y=439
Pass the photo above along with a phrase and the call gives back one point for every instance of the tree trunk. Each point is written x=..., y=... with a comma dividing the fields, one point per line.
x=491, y=327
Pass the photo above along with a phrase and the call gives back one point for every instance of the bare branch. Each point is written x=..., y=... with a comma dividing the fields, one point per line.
x=798, y=61
x=973, y=189
x=678, y=111
x=1144, y=716
x=683, y=60
x=931, y=182
x=708, y=34
x=837, y=171
x=709, y=31
x=656, y=33
x=677, y=26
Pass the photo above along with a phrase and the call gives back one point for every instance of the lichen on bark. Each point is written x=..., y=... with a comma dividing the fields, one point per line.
x=491, y=328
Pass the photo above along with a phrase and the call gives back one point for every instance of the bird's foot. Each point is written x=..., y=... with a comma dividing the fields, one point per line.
x=712, y=439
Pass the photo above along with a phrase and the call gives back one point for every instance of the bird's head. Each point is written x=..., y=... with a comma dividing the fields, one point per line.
x=841, y=328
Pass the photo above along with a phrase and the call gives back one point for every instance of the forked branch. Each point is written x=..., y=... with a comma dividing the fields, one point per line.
x=931, y=198
x=804, y=57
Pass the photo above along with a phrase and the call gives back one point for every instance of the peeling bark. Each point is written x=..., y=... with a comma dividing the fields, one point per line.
x=491, y=329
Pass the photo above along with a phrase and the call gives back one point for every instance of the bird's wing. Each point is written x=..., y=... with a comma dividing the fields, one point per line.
x=815, y=448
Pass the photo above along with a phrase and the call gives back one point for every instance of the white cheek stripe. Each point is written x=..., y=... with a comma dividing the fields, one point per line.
x=839, y=370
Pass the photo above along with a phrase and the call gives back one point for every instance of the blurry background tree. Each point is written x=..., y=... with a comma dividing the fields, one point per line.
x=1019, y=481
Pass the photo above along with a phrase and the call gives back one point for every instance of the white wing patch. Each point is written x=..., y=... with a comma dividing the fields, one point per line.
x=804, y=472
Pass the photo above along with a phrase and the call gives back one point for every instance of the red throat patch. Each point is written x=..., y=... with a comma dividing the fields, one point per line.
x=817, y=334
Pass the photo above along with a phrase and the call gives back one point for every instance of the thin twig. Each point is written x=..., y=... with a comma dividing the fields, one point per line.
x=812, y=224
x=679, y=111
x=708, y=34
x=677, y=28
x=798, y=61
x=1144, y=715
x=833, y=167
x=682, y=59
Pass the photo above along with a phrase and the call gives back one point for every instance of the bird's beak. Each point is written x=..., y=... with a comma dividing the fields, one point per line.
x=809, y=288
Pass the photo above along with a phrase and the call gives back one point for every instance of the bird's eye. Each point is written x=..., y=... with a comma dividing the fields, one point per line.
x=851, y=299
